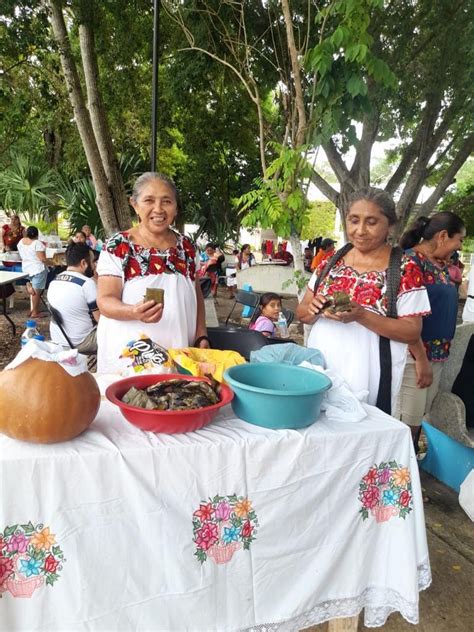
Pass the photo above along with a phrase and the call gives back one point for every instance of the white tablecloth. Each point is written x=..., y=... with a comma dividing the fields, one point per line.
x=117, y=530
x=50, y=252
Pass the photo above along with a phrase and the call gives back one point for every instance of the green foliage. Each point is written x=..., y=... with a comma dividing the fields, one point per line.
x=460, y=199
x=78, y=203
x=278, y=200
x=45, y=227
x=321, y=220
x=299, y=278
x=28, y=187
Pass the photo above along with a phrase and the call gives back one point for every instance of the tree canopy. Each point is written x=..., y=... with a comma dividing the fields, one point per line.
x=248, y=92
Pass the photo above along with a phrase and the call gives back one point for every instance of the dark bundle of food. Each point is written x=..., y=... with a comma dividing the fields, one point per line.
x=338, y=302
x=174, y=394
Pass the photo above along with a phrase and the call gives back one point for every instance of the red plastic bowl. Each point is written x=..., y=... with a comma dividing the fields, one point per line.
x=168, y=421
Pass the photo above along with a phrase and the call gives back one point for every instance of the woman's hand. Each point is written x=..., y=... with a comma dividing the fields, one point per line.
x=204, y=344
x=147, y=311
x=424, y=372
x=349, y=316
x=316, y=305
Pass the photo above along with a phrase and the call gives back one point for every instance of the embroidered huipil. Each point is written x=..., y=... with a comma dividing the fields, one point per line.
x=440, y=326
x=138, y=267
x=351, y=349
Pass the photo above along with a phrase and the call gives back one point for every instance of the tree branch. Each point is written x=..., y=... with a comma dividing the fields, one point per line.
x=360, y=171
x=330, y=192
x=295, y=65
x=336, y=162
x=448, y=177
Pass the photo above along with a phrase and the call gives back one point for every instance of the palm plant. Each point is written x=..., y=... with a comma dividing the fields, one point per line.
x=78, y=202
x=28, y=188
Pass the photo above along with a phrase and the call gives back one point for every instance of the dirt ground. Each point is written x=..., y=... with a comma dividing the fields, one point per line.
x=447, y=606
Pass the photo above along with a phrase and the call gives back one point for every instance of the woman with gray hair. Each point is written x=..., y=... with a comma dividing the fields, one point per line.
x=151, y=255
x=366, y=303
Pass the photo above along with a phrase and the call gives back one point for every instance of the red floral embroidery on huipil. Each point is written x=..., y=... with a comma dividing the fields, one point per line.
x=140, y=261
x=368, y=289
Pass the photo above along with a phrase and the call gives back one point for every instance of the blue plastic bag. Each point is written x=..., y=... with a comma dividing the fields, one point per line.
x=288, y=353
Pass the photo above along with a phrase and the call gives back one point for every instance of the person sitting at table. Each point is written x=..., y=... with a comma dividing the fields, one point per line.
x=369, y=271
x=246, y=258
x=149, y=255
x=33, y=259
x=91, y=241
x=327, y=250
x=74, y=294
x=212, y=267
x=79, y=237
x=267, y=314
x=283, y=255
x=12, y=233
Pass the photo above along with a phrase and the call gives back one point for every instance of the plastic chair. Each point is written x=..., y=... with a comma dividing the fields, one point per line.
x=248, y=299
x=57, y=318
x=241, y=340
x=289, y=315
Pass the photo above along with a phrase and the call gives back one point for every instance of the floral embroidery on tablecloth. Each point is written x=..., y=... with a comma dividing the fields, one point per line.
x=29, y=558
x=222, y=526
x=385, y=491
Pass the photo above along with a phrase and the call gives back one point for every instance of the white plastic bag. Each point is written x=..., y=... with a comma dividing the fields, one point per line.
x=339, y=402
x=466, y=495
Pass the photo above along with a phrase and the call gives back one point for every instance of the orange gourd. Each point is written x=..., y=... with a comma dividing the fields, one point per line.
x=40, y=402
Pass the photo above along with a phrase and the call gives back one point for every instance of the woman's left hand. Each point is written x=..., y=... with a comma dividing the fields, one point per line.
x=424, y=373
x=350, y=316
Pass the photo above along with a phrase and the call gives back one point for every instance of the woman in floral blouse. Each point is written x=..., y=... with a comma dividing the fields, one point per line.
x=149, y=255
x=350, y=340
x=430, y=242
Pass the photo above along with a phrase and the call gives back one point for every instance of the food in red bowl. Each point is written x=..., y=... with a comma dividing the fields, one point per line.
x=167, y=421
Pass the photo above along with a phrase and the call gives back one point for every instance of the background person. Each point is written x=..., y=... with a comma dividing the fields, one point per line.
x=150, y=254
x=327, y=250
x=12, y=233
x=283, y=255
x=267, y=315
x=212, y=267
x=430, y=243
x=74, y=294
x=308, y=258
x=246, y=258
x=351, y=341
x=79, y=237
x=91, y=241
x=231, y=274
x=33, y=263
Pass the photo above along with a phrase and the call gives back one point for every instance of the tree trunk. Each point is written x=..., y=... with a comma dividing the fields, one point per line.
x=104, y=198
x=99, y=118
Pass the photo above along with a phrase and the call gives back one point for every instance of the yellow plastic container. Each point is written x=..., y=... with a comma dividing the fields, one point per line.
x=199, y=362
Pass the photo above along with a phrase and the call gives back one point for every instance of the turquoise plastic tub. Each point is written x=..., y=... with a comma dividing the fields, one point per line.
x=277, y=395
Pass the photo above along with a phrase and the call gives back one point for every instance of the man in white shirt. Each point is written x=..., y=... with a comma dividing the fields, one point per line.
x=74, y=294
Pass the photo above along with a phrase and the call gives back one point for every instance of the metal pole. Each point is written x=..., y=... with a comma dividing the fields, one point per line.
x=154, y=96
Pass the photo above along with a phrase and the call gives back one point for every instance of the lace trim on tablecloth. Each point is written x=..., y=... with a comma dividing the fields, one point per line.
x=374, y=615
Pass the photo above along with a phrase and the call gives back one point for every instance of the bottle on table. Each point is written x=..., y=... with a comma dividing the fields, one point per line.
x=40, y=338
x=282, y=326
x=29, y=333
